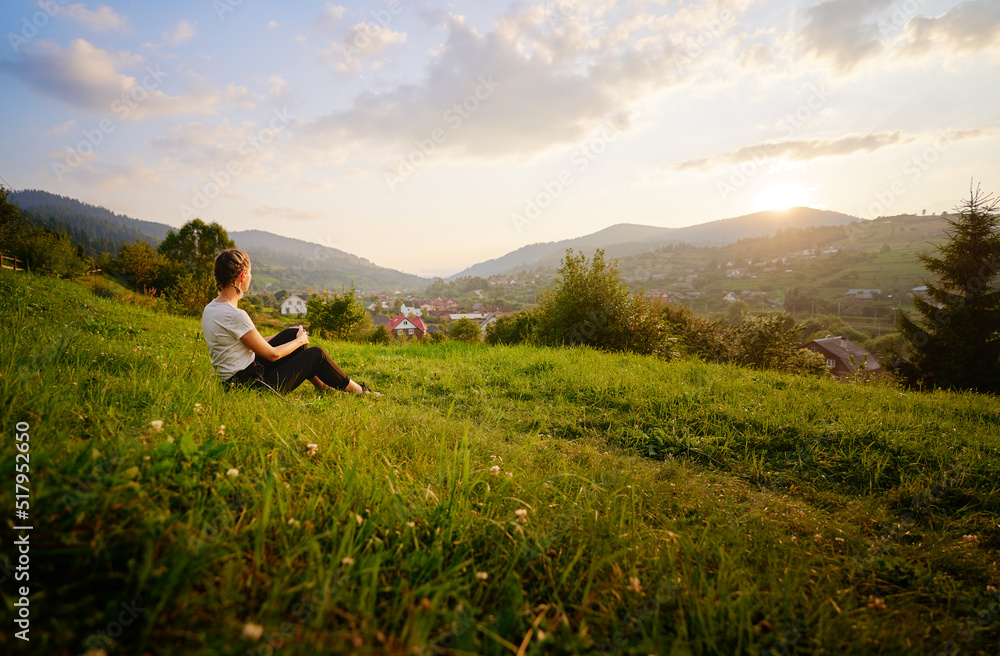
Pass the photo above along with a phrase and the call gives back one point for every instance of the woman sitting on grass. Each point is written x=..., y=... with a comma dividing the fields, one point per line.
x=242, y=357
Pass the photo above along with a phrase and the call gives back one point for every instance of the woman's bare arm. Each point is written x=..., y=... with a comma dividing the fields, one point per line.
x=261, y=347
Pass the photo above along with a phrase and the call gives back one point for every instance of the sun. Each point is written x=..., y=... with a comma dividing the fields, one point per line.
x=781, y=197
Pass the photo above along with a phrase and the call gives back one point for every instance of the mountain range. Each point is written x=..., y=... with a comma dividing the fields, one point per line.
x=298, y=264
x=626, y=239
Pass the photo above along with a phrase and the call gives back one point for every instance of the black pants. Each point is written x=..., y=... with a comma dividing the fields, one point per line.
x=287, y=373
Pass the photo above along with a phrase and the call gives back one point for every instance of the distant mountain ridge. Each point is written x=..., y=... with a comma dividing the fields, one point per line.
x=626, y=239
x=304, y=263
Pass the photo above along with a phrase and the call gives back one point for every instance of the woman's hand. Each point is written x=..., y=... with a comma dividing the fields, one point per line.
x=302, y=336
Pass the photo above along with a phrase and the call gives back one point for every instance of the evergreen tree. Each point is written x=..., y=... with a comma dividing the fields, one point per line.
x=956, y=345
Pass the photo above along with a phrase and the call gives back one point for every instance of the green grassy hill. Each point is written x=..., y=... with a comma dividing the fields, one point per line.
x=495, y=501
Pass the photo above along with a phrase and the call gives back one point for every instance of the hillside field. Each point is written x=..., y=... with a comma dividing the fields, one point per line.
x=496, y=500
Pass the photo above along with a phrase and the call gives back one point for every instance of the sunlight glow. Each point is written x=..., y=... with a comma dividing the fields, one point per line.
x=781, y=197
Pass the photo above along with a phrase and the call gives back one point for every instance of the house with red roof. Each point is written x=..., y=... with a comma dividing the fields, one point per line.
x=406, y=327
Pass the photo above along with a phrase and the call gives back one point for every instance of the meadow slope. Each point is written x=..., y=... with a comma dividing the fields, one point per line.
x=497, y=500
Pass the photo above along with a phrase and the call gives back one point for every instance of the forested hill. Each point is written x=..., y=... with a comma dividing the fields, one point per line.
x=290, y=263
x=97, y=229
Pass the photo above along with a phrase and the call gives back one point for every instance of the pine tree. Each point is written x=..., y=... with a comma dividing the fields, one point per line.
x=956, y=345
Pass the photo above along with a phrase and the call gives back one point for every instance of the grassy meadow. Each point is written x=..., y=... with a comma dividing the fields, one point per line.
x=496, y=500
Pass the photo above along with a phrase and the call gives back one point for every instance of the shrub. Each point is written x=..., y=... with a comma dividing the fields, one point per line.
x=591, y=306
x=511, y=328
x=466, y=330
x=335, y=316
x=380, y=335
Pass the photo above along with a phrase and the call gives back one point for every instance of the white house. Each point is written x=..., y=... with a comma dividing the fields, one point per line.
x=410, y=311
x=293, y=305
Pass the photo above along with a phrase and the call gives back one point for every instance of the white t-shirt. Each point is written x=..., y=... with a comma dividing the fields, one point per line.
x=223, y=325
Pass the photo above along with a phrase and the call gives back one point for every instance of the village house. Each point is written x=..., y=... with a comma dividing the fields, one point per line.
x=408, y=311
x=846, y=359
x=293, y=306
x=406, y=327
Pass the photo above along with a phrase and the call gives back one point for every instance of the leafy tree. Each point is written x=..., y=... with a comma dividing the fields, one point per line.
x=957, y=342
x=195, y=246
x=140, y=261
x=591, y=306
x=466, y=330
x=189, y=259
x=10, y=215
x=335, y=315
x=190, y=295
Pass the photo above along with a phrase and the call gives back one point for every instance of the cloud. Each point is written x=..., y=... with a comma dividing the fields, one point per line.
x=272, y=24
x=797, y=150
x=181, y=33
x=840, y=32
x=279, y=87
x=103, y=19
x=239, y=97
x=64, y=128
x=199, y=149
x=525, y=86
x=286, y=212
x=90, y=78
x=364, y=41
x=969, y=27
x=131, y=173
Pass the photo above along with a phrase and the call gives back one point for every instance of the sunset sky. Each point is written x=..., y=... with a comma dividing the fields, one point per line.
x=428, y=136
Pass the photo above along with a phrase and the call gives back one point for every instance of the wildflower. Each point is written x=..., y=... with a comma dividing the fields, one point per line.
x=222, y=430
x=991, y=588
x=157, y=425
x=197, y=407
x=233, y=473
x=294, y=522
x=971, y=539
x=634, y=585
x=509, y=475
x=312, y=449
x=495, y=470
x=482, y=576
x=359, y=519
x=347, y=560
x=253, y=631
x=411, y=524
x=522, y=516
x=876, y=603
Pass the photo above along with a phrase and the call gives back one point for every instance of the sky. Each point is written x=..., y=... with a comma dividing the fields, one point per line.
x=428, y=136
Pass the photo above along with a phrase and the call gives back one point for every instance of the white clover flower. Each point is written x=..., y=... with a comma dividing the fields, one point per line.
x=233, y=473
x=253, y=631
x=495, y=470
x=482, y=576
x=157, y=425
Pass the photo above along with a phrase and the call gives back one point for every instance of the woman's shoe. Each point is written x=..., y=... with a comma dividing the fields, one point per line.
x=367, y=390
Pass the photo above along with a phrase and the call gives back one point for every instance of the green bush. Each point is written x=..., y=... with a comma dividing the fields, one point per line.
x=335, y=315
x=591, y=306
x=466, y=330
x=511, y=329
x=380, y=335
